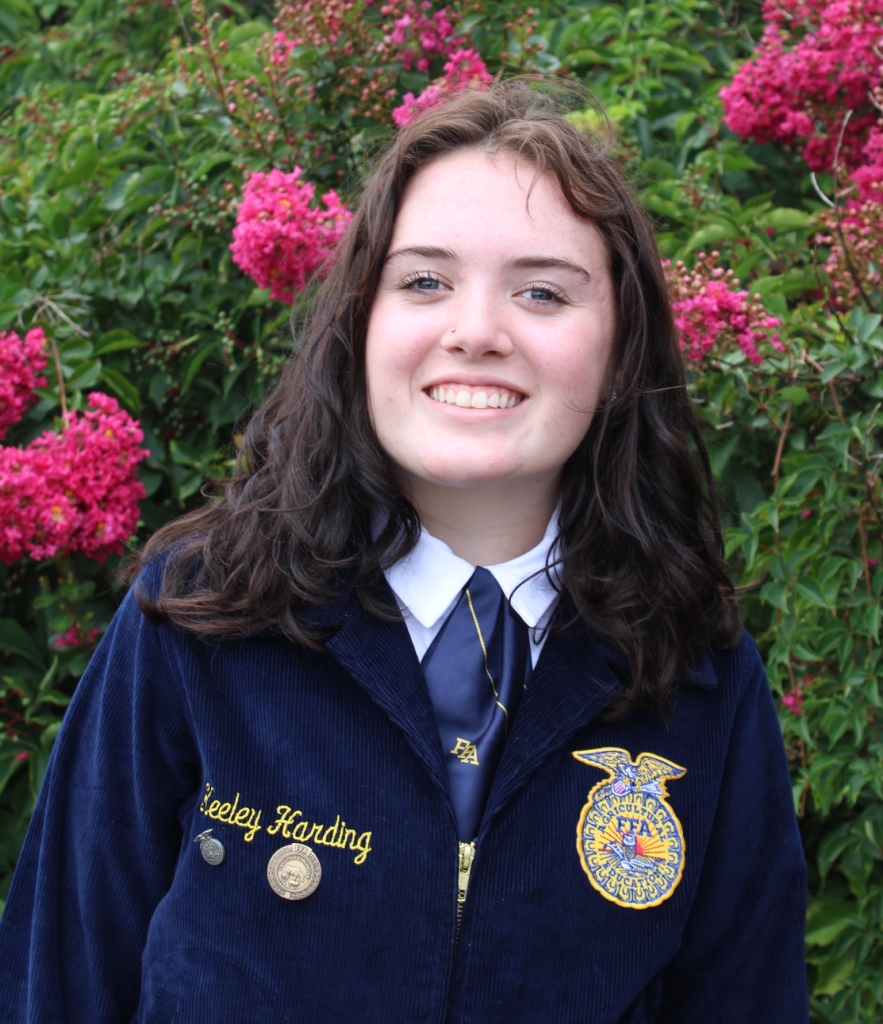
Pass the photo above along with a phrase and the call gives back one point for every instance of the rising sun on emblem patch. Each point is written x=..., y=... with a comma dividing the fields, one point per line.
x=629, y=841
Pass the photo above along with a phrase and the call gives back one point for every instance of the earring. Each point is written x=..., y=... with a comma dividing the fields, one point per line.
x=612, y=397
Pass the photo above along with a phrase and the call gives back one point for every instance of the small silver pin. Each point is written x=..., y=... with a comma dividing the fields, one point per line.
x=212, y=850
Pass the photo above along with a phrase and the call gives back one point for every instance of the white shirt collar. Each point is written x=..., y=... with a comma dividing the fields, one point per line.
x=430, y=577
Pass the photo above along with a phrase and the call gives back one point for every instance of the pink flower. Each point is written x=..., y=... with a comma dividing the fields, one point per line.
x=420, y=34
x=815, y=61
x=463, y=70
x=793, y=701
x=711, y=312
x=431, y=96
x=73, y=491
x=806, y=513
x=280, y=240
x=282, y=47
x=20, y=364
x=73, y=637
x=22, y=756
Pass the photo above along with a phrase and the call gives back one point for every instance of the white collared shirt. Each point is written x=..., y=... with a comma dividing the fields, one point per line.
x=428, y=581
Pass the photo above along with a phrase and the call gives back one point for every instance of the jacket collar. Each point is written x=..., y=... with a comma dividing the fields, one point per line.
x=575, y=680
x=379, y=655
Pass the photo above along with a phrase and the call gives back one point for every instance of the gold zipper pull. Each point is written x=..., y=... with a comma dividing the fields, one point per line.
x=465, y=857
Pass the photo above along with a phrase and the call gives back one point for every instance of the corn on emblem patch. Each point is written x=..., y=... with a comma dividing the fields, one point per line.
x=629, y=841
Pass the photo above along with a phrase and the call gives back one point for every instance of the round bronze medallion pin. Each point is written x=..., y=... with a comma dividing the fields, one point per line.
x=294, y=872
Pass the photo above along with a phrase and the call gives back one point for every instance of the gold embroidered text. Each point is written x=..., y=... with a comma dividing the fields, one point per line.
x=231, y=814
x=306, y=832
x=466, y=751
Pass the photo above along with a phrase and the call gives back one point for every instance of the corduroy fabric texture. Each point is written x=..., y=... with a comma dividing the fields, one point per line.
x=114, y=916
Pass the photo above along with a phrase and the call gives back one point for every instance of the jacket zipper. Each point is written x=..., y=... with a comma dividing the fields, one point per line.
x=465, y=857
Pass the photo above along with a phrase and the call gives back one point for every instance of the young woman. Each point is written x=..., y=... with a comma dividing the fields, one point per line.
x=444, y=712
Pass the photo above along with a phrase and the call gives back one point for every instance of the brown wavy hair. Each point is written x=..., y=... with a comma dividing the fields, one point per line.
x=641, y=552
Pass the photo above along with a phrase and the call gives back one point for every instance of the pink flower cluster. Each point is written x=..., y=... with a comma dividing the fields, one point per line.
x=420, y=33
x=76, y=636
x=854, y=237
x=816, y=60
x=73, y=491
x=793, y=699
x=280, y=239
x=869, y=177
x=281, y=48
x=464, y=70
x=712, y=312
x=20, y=364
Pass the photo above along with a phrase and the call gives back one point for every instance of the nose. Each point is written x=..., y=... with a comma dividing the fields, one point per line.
x=478, y=327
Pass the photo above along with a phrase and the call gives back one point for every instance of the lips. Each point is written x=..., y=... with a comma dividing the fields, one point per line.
x=471, y=396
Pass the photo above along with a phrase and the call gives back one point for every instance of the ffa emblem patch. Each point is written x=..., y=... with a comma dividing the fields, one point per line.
x=629, y=841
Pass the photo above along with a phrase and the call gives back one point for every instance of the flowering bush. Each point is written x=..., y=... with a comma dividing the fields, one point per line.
x=122, y=160
x=817, y=60
x=433, y=33
x=855, y=240
x=20, y=364
x=73, y=491
x=280, y=240
x=712, y=313
x=464, y=70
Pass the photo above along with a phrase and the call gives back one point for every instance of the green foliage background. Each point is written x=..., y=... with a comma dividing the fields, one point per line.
x=118, y=162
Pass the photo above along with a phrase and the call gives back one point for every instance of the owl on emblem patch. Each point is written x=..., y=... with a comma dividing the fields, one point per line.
x=629, y=841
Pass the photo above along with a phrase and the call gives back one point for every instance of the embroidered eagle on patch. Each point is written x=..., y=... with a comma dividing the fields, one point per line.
x=629, y=841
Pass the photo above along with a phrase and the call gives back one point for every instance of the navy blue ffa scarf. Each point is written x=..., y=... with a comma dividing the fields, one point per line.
x=476, y=670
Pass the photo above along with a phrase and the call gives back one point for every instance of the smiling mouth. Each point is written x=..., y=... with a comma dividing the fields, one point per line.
x=471, y=397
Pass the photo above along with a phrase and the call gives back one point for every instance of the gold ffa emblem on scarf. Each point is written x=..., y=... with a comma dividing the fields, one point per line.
x=629, y=841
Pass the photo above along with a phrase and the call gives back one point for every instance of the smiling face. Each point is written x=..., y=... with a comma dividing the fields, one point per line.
x=491, y=332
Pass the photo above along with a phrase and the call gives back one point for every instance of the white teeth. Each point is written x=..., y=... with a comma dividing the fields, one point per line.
x=484, y=399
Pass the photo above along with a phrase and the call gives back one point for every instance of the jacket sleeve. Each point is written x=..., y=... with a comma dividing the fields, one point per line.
x=742, y=955
x=104, y=839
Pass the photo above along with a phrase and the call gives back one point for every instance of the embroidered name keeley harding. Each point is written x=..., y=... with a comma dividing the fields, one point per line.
x=291, y=824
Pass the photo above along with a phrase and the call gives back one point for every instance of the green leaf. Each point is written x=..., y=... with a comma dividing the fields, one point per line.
x=781, y=218
x=833, y=369
x=194, y=364
x=795, y=395
x=811, y=590
x=867, y=327
x=712, y=233
x=85, y=162
x=16, y=640
x=826, y=921
x=86, y=375
x=116, y=340
x=122, y=387
x=250, y=30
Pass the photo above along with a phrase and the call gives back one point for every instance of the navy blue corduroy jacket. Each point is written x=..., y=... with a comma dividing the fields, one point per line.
x=115, y=916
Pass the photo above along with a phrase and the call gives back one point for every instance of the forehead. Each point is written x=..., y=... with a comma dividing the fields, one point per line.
x=471, y=200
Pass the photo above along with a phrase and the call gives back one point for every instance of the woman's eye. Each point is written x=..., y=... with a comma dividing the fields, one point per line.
x=541, y=296
x=422, y=283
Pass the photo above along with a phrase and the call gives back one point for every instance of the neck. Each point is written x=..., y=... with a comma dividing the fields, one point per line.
x=486, y=526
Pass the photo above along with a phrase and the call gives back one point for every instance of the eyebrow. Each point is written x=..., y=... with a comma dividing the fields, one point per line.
x=434, y=252
x=429, y=252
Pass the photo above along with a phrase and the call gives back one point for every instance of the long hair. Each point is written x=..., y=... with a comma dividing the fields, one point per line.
x=641, y=550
